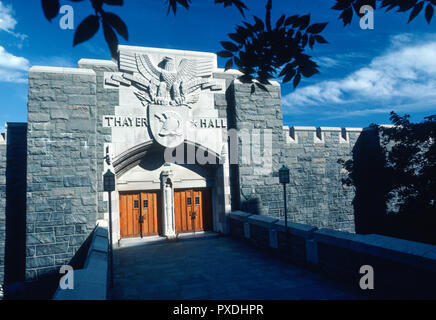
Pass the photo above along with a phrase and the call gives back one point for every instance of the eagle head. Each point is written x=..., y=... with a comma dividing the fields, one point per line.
x=169, y=64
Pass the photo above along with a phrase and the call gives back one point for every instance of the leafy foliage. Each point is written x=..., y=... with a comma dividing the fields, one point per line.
x=409, y=166
x=412, y=161
x=173, y=4
x=262, y=52
x=351, y=7
x=258, y=50
x=91, y=24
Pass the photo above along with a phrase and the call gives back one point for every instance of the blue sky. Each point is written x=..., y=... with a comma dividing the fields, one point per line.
x=365, y=74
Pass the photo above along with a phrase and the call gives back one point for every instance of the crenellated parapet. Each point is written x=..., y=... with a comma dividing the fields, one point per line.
x=321, y=135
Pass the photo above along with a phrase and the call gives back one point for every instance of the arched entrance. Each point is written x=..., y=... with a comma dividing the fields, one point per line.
x=158, y=197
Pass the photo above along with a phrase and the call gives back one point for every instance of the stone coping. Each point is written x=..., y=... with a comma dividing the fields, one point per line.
x=160, y=51
x=97, y=62
x=330, y=129
x=413, y=253
x=272, y=83
x=262, y=221
x=354, y=129
x=76, y=71
x=91, y=282
x=239, y=215
x=322, y=129
x=230, y=71
x=294, y=228
x=298, y=229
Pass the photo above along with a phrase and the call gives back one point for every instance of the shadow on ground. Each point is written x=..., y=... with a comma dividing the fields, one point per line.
x=216, y=268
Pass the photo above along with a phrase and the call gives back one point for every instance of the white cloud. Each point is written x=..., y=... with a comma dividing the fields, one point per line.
x=9, y=61
x=8, y=22
x=404, y=77
x=12, y=68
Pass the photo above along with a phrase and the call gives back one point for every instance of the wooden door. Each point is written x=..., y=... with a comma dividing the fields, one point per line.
x=149, y=202
x=132, y=207
x=193, y=210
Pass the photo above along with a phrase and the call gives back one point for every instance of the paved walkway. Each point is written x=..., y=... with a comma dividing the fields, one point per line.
x=214, y=268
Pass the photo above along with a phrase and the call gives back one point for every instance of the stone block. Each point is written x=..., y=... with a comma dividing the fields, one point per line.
x=56, y=248
x=40, y=238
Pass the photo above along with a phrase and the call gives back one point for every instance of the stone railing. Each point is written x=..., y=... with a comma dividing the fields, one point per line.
x=401, y=268
x=91, y=282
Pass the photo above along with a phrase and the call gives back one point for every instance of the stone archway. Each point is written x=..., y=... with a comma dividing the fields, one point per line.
x=144, y=169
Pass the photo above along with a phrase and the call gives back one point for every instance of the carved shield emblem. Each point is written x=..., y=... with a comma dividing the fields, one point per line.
x=167, y=124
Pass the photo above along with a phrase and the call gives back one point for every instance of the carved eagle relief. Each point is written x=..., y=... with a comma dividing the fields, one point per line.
x=165, y=83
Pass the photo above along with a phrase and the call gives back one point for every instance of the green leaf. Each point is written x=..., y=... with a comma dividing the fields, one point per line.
x=341, y=4
x=291, y=20
x=259, y=23
x=297, y=80
x=237, y=37
x=320, y=39
x=416, y=10
x=346, y=16
x=111, y=39
x=50, y=8
x=317, y=28
x=116, y=22
x=230, y=46
x=280, y=21
x=429, y=13
x=311, y=41
x=172, y=5
x=86, y=29
x=304, y=21
x=224, y=54
x=289, y=76
x=114, y=2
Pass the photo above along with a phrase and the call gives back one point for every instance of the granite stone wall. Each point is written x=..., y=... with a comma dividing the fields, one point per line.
x=315, y=194
x=62, y=195
x=107, y=99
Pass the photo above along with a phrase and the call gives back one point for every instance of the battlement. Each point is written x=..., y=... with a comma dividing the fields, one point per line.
x=298, y=135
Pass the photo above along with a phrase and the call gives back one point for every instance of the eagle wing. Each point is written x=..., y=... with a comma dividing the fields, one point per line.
x=192, y=69
x=147, y=69
x=193, y=74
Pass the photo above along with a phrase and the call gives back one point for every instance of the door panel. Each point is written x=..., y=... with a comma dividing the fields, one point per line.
x=193, y=210
x=132, y=206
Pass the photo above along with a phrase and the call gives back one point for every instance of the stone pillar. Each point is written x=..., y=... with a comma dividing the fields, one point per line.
x=169, y=229
x=62, y=176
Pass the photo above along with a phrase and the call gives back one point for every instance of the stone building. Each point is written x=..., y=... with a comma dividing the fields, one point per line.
x=188, y=144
